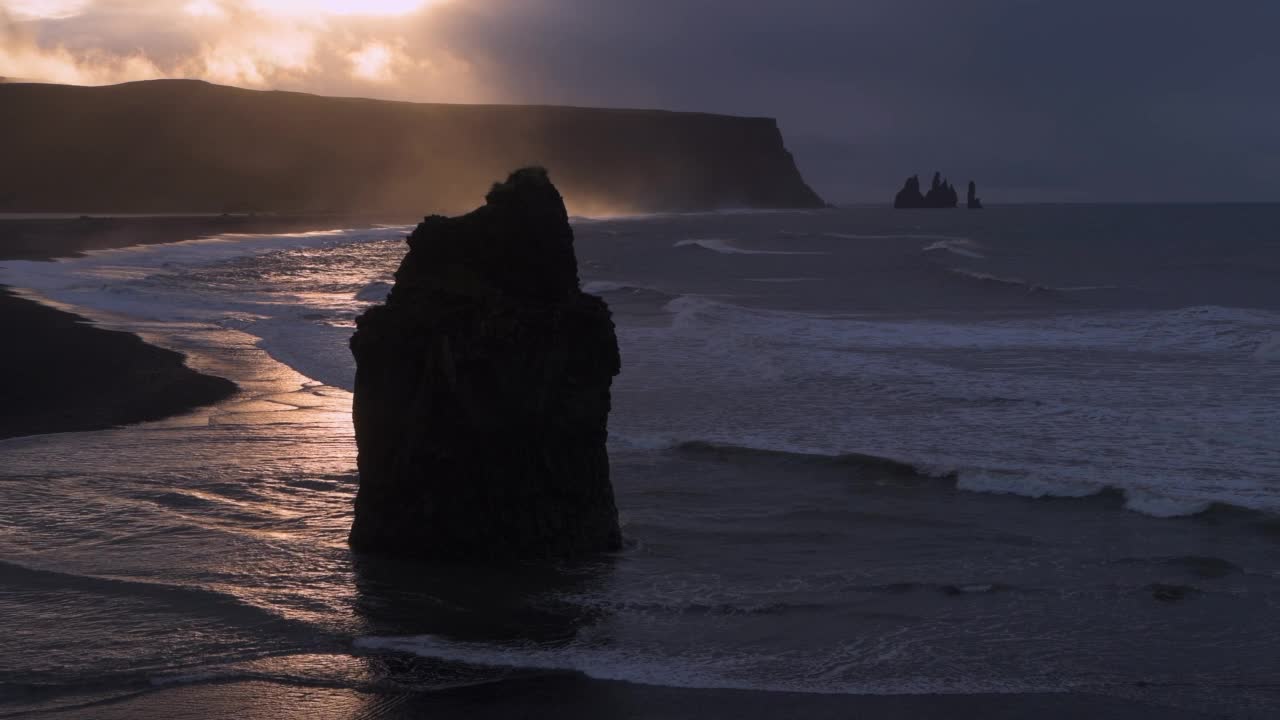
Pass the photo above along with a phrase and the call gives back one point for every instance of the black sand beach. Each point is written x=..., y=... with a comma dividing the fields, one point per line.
x=62, y=374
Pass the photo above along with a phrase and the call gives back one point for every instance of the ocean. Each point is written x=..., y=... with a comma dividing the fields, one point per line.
x=856, y=451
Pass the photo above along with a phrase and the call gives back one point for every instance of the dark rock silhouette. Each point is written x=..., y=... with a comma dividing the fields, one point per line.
x=941, y=194
x=974, y=202
x=909, y=196
x=482, y=391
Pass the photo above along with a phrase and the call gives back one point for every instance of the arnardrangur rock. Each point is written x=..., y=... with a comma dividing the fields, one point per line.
x=482, y=391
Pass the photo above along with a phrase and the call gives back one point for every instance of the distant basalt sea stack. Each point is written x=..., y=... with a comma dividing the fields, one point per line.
x=974, y=202
x=482, y=391
x=942, y=194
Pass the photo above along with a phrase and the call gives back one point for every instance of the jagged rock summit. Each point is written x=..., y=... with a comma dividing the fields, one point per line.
x=482, y=391
x=942, y=194
x=910, y=196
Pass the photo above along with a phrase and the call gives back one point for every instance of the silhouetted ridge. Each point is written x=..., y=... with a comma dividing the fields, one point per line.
x=186, y=146
x=482, y=391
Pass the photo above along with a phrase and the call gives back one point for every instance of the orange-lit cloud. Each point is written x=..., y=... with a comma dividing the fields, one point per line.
x=382, y=48
x=44, y=8
x=340, y=7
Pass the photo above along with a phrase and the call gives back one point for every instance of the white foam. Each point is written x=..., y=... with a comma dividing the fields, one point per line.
x=1183, y=401
x=958, y=246
x=319, y=352
x=1160, y=505
x=376, y=291
x=597, y=287
x=724, y=247
x=212, y=282
x=1268, y=348
x=834, y=674
x=895, y=236
x=988, y=277
x=1026, y=485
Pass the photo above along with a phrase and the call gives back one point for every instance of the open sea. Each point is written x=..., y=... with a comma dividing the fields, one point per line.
x=856, y=451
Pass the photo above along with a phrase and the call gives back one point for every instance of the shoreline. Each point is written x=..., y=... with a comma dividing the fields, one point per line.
x=62, y=372
x=571, y=695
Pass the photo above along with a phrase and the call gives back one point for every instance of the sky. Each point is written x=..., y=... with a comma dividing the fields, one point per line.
x=1065, y=101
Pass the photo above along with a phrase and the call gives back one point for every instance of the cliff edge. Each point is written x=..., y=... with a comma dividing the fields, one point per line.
x=185, y=146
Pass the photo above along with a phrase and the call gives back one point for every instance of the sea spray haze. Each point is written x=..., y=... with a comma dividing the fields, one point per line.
x=1014, y=363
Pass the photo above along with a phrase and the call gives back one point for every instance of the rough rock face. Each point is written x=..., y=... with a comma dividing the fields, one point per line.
x=974, y=202
x=941, y=194
x=909, y=196
x=482, y=391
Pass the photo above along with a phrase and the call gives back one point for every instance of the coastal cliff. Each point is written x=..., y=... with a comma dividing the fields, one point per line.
x=482, y=391
x=184, y=146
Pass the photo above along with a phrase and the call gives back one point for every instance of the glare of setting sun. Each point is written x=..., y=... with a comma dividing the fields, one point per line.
x=44, y=8
x=340, y=7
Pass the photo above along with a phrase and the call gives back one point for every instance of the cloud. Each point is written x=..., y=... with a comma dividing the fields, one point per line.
x=250, y=43
x=1147, y=99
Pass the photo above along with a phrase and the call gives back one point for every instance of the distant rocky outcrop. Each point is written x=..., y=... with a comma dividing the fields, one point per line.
x=482, y=391
x=910, y=196
x=942, y=194
x=974, y=202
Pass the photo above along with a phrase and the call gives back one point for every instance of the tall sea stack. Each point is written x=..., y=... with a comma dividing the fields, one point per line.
x=482, y=391
x=973, y=202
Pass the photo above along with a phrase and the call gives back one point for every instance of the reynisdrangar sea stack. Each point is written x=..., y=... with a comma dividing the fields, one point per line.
x=482, y=391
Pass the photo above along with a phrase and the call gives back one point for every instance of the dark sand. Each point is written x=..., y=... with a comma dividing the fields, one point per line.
x=573, y=697
x=59, y=373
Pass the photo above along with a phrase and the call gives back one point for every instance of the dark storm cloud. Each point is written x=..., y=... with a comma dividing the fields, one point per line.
x=1145, y=99
x=1052, y=100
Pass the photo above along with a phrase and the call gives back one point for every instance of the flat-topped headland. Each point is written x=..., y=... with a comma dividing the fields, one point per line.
x=183, y=146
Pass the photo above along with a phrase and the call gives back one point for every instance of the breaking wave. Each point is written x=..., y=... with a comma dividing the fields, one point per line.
x=724, y=247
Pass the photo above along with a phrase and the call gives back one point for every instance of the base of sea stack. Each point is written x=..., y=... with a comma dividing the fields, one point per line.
x=504, y=501
x=482, y=392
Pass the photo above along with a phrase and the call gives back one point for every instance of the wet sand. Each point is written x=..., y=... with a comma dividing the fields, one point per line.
x=569, y=697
